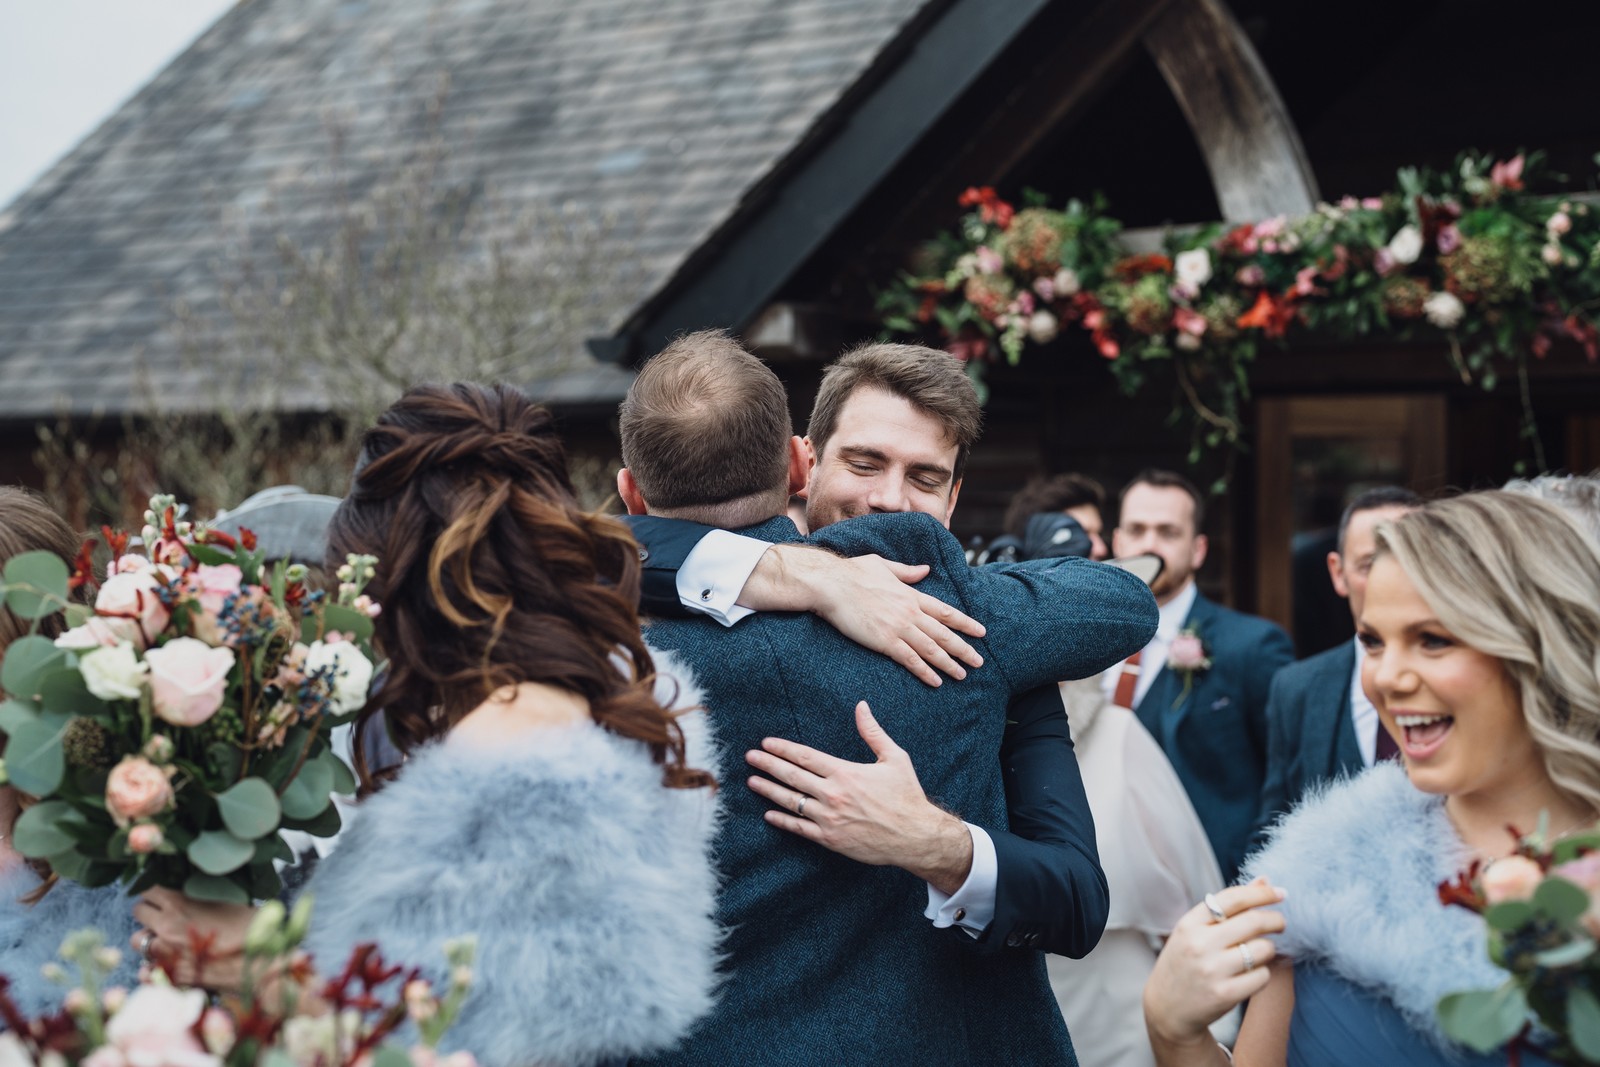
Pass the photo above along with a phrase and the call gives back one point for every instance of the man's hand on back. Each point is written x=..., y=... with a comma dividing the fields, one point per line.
x=874, y=813
x=871, y=601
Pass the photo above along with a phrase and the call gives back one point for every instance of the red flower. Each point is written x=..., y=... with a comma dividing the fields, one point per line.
x=83, y=566
x=990, y=207
x=1106, y=344
x=1133, y=267
x=1240, y=240
x=1462, y=892
x=247, y=538
x=967, y=349
x=1271, y=314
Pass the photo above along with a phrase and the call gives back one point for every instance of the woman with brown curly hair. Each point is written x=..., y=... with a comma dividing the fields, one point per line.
x=551, y=803
x=37, y=910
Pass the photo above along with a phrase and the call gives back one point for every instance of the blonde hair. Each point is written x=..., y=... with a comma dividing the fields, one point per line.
x=1517, y=578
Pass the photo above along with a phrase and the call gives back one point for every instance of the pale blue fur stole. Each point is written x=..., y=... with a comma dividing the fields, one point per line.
x=588, y=884
x=31, y=935
x=1361, y=860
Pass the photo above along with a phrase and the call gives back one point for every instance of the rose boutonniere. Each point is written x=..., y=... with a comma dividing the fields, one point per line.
x=1188, y=656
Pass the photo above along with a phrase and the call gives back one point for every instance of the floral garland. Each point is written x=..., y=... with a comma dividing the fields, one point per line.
x=1468, y=256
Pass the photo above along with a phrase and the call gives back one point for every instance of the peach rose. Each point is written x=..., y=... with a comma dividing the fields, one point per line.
x=137, y=789
x=156, y=1026
x=1584, y=872
x=146, y=837
x=187, y=680
x=1511, y=878
x=132, y=600
x=1187, y=653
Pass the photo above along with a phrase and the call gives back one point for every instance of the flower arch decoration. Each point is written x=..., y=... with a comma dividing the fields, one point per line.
x=1467, y=256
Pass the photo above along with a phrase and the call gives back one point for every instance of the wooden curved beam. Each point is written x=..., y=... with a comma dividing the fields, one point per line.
x=1251, y=147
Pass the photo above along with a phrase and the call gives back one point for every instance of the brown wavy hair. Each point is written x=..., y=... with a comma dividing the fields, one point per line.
x=490, y=574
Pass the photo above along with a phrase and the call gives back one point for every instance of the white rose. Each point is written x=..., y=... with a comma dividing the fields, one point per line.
x=12, y=1052
x=1042, y=327
x=1406, y=245
x=153, y=1027
x=114, y=673
x=352, y=672
x=1066, y=282
x=1193, y=267
x=1444, y=310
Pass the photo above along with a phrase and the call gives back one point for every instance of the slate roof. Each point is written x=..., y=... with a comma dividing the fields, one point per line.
x=670, y=112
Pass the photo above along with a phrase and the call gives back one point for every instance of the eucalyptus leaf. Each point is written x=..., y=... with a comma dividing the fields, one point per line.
x=1583, y=1021
x=272, y=847
x=347, y=620
x=311, y=791
x=13, y=713
x=219, y=852
x=249, y=809
x=64, y=690
x=324, y=825
x=1573, y=952
x=1560, y=899
x=27, y=661
x=1509, y=915
x=210, y=887
x=1484, y=1019
x=344, y=779
x=78, y=614
x=210, y=555
x=36, y=584
x=38, y=832
x=71, y=865
x=34, y=761
x=389, y=1056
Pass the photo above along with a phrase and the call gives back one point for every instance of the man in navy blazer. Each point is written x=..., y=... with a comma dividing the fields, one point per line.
x=830, y=951
x=1200, y=685
x=1320, y=725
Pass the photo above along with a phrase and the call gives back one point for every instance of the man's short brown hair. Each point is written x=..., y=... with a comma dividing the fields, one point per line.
x=1057, y=492
x=1168, y=480
x=931, y=381
x=705, y=422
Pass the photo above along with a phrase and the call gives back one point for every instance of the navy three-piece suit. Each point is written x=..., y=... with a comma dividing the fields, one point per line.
x=831, y=960
x=1311, y=737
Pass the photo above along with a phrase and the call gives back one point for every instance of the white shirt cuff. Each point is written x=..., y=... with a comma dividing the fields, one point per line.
x=972, y=906
x=713, y=575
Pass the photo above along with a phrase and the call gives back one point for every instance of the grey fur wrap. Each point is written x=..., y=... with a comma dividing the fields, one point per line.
x=1361, y=861
x=588, y=884
x=31, y=935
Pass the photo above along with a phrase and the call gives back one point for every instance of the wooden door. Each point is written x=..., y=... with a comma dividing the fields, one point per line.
x=1314, y=454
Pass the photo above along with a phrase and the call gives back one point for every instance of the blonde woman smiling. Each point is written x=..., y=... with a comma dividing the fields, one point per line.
x=1480, y=631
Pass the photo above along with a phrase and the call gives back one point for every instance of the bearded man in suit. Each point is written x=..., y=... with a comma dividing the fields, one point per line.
x=1320, y=725
x=1200, y=685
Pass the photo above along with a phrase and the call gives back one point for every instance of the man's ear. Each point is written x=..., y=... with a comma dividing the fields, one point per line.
x=799, y=465
x=804, y=491
x=1336, y=575
x=628, y=490
x=1201, y=545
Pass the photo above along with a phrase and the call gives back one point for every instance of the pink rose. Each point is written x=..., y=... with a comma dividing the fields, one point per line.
x=187, y=680
x=1305, y=281
x=144, y=838
x=95, y=633
x=1449, y=238
x=132, y=599
x=1251, y=274
x=989, y=261
x=105, y=1056
x=1372, y=203
x=1511, y=878
x=212, y=586
x=128, y=564
x=1188, y=653
x=137, y=789
x=1558, y=224
x=1584, y=872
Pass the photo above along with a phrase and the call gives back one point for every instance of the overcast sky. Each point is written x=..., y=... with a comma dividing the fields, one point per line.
x=66, y=64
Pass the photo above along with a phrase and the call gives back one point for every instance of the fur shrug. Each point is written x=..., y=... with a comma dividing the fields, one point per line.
x=31, y=934
x=1361, y=861
x=588, y=884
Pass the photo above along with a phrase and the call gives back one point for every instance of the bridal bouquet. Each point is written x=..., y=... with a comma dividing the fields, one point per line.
x=297, y=1020
x=1542, y=908
x=183, y=721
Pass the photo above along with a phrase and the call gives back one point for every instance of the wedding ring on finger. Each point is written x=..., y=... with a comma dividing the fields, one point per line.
x=143, y=945
x=1249, y=960
x=800, y=808
x=1217, y=914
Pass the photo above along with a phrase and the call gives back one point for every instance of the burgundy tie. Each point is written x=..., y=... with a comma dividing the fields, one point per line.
x=1127, y=682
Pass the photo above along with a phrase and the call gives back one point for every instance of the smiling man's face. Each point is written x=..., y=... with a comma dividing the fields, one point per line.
x=885, y=455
